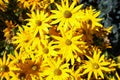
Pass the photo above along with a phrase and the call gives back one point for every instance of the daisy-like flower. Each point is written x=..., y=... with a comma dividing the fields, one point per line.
x=23, y=38
x=57, y=69
x=66, y=15
x=68, y=44
x=39, y=22
x=96, y=65
x=47, y=49
x=31, y=69
x=18, y=57
x=6, y=68
x=91, y=16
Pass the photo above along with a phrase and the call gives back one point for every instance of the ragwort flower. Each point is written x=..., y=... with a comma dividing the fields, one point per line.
x=6, y=68
x=39, y=22
x=96, y=65
x=66, y=15
x=68, y=44
x=57, y=69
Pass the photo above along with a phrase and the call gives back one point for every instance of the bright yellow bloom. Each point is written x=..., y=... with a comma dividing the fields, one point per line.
x=6, y=68
x=57, y=69
x=18, y=57
x=47, y=49
x=39, y=22
x=96, y=65
x=66, y=15
x=68, y=44
x=91, y=16
x=23, y=38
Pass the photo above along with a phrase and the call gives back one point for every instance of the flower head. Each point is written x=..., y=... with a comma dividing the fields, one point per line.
x=39, y=22
x=57, y=69
x=96, y=65
x=6, y=68
x=66, y=15
x=68, y=44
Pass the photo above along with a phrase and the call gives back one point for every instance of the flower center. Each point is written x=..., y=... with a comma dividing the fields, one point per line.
x=34, y=67
x=68, y=42
x=95, y=65
x=22, y=76
x=57, y=72
x=4, y=68
x=67, y=14
x=39, y=23
x=46, y=50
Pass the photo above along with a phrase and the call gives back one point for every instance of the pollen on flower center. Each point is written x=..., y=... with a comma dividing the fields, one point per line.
x=67, y=14
x=68, y=42
x=34, y=67
x=46, y=50
x=4, y=68
x=95, y=65
x=57, y=72
x=21, y=76
x=39, y=23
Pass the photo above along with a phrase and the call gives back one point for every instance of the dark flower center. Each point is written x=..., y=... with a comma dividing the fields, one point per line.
x=67, y=14
x=57, y=72
x=4, y=68
x=95, y=66
x=68, y=42
x=46, y=50
x=39, y=23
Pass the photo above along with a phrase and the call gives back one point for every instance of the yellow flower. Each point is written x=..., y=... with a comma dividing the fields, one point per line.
x=57, y=69
x=18, y=56
x=30, y=69
x=39, y=22
x=68, y=44
x=66, y=15
x=47, y=49
x=96, y=65
x=6, y=68
x=91, y=16
x=23, y=38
